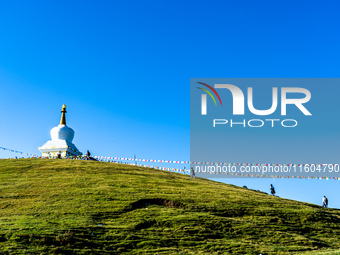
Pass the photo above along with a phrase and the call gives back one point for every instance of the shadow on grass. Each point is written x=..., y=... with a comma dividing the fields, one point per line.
x=141, y=203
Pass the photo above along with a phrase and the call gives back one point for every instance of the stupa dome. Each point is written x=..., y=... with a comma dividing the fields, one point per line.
x=62, y=132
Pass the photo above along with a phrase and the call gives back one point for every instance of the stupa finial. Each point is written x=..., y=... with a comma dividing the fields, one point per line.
x=63, y=118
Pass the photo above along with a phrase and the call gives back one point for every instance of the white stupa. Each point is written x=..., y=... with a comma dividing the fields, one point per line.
x=61, y=142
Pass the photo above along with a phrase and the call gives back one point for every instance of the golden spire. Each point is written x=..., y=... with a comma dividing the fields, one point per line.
x=63, y=118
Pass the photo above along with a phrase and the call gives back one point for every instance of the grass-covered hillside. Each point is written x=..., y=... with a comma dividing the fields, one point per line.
x=81, y=207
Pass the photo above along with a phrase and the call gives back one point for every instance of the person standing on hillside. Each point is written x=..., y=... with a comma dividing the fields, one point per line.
x=272, y=190
x=324, y=201
x=192, y=173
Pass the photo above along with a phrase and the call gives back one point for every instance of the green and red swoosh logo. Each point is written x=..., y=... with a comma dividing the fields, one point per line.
x=209, y=93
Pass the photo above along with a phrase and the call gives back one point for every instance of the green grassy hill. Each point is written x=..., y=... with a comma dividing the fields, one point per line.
x=83, y=207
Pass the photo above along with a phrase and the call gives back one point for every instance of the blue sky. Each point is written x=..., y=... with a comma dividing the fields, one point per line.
x=123, y=68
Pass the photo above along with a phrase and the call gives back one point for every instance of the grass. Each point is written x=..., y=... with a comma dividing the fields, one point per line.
x=325, y=252
x=83, y=207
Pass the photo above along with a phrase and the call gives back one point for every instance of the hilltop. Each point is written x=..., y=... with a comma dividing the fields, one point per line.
x=85, y=207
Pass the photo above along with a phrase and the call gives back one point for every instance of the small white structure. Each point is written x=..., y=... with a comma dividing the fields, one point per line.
x=61, y=142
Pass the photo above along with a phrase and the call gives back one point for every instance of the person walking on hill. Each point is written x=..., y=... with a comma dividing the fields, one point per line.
x=272, y=190
x=192, y=173
x=324, y=201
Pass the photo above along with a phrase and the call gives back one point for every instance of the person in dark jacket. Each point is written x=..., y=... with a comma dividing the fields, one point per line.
x=272, y=190
x=192, y=174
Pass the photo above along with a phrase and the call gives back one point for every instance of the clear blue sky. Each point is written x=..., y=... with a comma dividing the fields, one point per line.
x=123, y=69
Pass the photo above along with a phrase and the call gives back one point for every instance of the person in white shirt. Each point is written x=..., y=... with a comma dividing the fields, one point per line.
x=324, y=201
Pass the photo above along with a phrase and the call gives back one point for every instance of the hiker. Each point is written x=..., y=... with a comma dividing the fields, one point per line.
x=272, y=190
x=192, y=173
x=324, y=201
